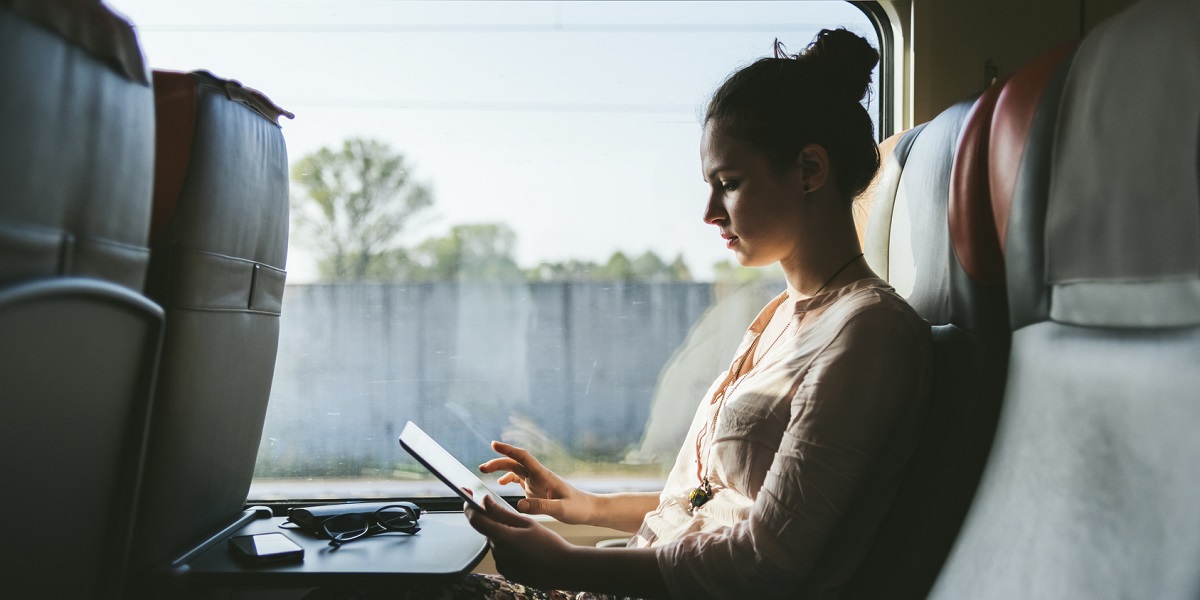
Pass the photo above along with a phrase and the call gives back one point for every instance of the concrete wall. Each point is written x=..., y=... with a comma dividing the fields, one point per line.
x=553, y=366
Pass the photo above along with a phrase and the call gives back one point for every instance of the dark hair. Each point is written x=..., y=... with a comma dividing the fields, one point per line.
x=784, y=103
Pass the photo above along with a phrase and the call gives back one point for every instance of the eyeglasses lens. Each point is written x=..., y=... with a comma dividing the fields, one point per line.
x=344, y=528
x=397, y=518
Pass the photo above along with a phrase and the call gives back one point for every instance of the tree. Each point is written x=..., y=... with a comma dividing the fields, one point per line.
x=571, y=270
x=474, y=252
x=732, y=275
x=647, y=267
x=351, y=204
x=680, y=270
x=618, y=268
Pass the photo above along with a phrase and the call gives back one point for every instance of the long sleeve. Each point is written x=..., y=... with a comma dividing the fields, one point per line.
x=856, y=406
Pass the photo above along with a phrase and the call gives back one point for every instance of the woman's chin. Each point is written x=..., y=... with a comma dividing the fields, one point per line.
x=749, y=260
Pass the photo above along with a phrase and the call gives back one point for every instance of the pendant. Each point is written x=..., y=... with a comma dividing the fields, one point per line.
x=700, y=495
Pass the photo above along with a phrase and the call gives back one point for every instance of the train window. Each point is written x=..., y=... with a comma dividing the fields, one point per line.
x=496, y=225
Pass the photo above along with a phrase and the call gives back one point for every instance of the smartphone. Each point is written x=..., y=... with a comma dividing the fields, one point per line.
x=263, y=548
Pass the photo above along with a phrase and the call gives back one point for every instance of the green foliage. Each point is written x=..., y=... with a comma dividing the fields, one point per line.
x=679, y=269
x=618, y=268
x=646, y=267
x=351, y=204
x=726, y=272
x=475, y=252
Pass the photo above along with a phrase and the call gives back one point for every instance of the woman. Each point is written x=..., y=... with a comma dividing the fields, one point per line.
x=795, y=452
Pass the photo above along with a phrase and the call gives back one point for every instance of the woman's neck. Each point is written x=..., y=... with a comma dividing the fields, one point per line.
x=825, y=259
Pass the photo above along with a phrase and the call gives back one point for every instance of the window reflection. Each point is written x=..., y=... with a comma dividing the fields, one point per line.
x=496, y=225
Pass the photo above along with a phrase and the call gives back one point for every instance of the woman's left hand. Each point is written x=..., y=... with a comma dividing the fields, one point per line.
x=524, y=550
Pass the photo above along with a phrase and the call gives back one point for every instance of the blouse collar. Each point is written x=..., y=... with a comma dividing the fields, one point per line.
x=813, y=303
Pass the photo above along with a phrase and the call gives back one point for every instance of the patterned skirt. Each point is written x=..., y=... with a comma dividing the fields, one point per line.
x=492, y=587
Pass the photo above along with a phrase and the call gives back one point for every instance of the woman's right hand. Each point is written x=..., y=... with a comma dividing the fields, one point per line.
x=545, y=492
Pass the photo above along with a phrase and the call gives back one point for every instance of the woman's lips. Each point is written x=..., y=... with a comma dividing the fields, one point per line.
x=730, y=240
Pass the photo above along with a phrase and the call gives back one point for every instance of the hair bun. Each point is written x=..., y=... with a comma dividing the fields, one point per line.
x=844, y=60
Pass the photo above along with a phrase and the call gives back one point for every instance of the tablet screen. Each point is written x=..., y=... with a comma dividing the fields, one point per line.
x=445, y=466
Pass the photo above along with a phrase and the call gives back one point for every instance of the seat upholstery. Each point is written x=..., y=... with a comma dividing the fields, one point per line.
x=219, y=247
x=79, y=343
x=909, y=242
x=77, y=145
x=77, y=360
x=1092, y=485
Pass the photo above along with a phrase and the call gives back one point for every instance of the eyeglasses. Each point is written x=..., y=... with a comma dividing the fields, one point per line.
x=349, y=527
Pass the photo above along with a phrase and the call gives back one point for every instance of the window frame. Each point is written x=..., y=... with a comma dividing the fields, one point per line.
x=885, y=88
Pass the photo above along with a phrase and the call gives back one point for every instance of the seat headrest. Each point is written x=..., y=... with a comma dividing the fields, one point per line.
x=987, y=164
x=918, y=241
x=876, y=232
x=972, y=227
x=1011, y=120
x=76, y=145
x=1122, y=232
x=92, y=26
x=177, y=97
x=247, y=96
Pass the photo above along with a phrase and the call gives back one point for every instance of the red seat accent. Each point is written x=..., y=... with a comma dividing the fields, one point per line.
x=1013, y=115
x=175, y=113
x=972, y=228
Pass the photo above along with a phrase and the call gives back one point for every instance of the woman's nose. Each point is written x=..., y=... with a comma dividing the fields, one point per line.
x=714, y=210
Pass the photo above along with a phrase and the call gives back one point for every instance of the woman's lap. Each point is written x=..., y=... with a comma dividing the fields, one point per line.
x=472, y=586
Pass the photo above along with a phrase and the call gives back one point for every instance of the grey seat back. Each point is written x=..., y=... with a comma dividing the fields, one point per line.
x=78, y=133
x=219, y=249
x=910, y=241
x=1091, y=488
x=78, y=342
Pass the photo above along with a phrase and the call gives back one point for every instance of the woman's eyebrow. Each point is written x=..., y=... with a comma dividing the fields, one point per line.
x=713, y=172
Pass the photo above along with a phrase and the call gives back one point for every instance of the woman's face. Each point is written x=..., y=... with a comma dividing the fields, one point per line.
x=757, y=208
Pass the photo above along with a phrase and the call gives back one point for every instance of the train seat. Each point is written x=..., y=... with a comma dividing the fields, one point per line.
x=219, y=246
x=1091, y=486
x=78, y=123
x=78, y=341
x=909, y=242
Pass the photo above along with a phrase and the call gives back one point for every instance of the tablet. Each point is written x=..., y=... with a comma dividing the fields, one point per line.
x=441, y=463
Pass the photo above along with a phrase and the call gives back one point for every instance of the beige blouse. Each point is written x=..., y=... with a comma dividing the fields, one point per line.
x=807, y=453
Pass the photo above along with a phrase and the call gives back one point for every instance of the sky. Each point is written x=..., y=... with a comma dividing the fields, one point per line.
x=575, y=123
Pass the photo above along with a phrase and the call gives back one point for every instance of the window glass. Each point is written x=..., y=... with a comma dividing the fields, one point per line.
x=496, y=225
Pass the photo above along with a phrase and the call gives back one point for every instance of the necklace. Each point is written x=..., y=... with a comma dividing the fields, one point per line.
x=702, y=493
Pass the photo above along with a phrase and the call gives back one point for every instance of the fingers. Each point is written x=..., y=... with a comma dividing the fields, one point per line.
x=504, y=464
x=508, y=478
x=503, y=515
x=480, y=521
x=517, y=454
x=540, y=506
x=493, y=521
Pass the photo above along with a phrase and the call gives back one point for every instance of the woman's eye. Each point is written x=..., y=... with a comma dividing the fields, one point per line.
x=730, y=185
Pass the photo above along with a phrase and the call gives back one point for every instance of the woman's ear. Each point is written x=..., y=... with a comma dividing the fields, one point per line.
x=813, y=162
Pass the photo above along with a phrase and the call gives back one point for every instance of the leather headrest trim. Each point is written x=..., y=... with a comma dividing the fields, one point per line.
x=972, y=226
x=249, y=97
x=1011, y=120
